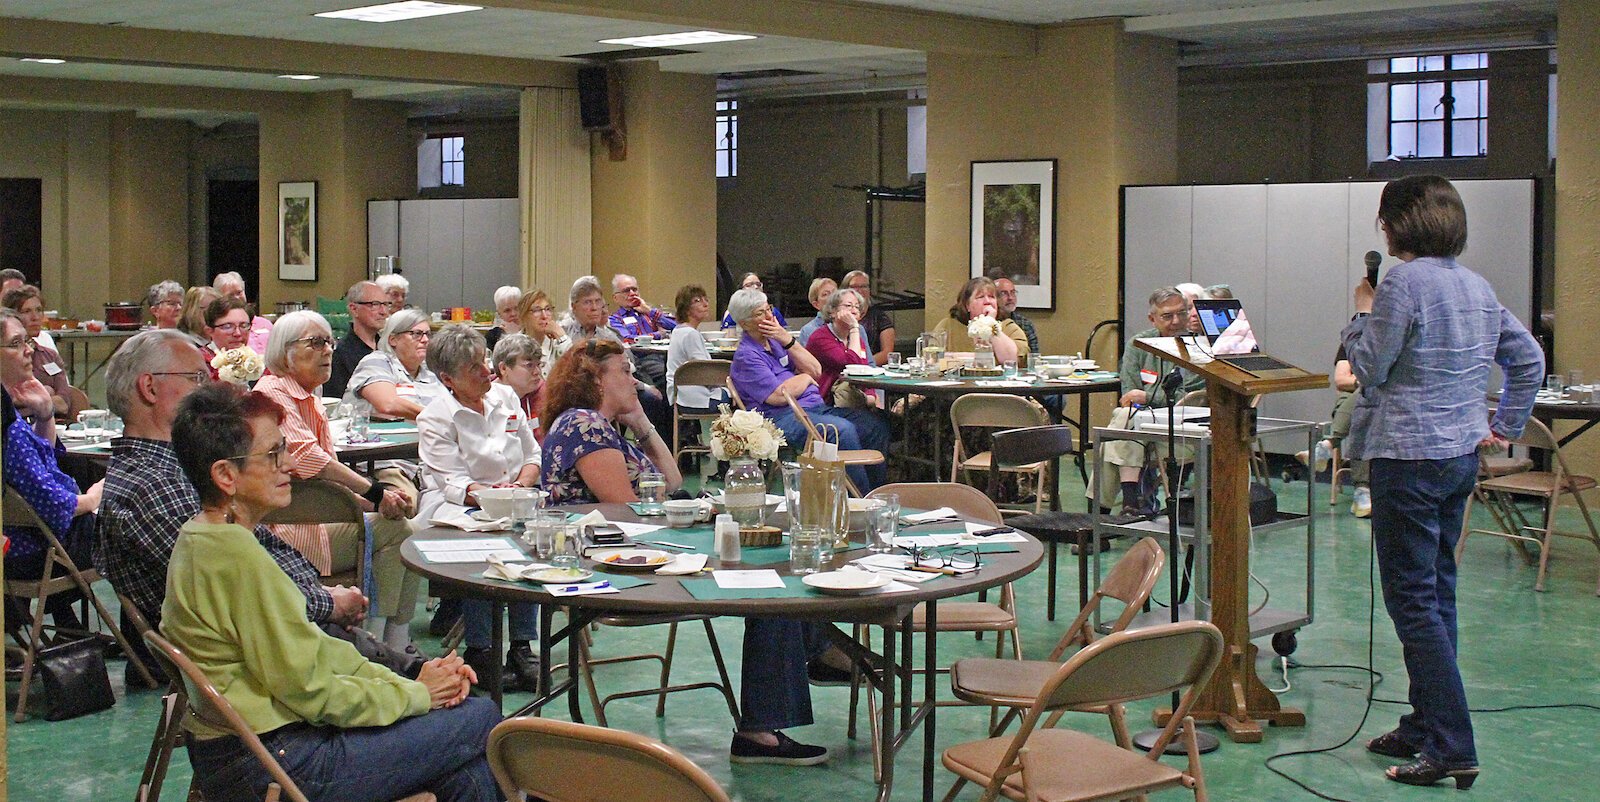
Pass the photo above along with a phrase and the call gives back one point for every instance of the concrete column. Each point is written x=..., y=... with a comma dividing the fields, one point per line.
x=1577, y=274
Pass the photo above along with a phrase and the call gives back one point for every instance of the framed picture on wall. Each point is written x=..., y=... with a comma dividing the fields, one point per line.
x=297, y=230
x=1014, y=227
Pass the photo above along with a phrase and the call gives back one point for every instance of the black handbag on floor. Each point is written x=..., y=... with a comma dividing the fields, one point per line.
x=75, y=680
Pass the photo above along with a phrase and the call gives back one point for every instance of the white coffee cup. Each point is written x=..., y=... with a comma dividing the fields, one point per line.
x=681, y=513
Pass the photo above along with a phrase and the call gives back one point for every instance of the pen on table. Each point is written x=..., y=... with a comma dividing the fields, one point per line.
x=669, y=544
x=576, y=588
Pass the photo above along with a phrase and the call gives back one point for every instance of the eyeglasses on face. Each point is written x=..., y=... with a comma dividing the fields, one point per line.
x=544, y=309
x=314, y=343
x=170, y=302
x=279, y=455
x=198, y=377
x=592, y=302
x=628, y=291
x=371, y=304
x=416, y=334
x=232, y=328
x=1178, y=315
x=24, y=343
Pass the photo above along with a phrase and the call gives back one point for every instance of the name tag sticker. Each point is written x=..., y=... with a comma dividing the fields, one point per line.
x=630, y=320
x=405, y=389
x=52, y=368
x=1147, y=377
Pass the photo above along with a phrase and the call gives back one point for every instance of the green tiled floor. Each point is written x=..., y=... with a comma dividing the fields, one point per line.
x=1519, y=647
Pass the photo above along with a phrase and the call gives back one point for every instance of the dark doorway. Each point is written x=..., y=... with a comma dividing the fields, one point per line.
x=22, y=226
x=233, y=232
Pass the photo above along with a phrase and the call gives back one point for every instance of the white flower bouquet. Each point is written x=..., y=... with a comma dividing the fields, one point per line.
x=744, y=434
x=983, y=328
x=238, y=365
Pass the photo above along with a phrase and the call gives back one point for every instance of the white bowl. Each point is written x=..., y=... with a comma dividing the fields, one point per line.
x=682, y=512
x=1059, y=370
x=496, y=501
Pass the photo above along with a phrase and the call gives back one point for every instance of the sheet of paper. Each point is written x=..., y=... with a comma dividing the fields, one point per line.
x=927, y=541
x=581, y=589
x=760, y=578
x=466, y=544
x=472, y=556
x=893, y=565
x=931, y=515
x=635, y=530
x=940, y=383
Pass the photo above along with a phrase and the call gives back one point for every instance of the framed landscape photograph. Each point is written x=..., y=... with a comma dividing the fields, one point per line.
x=1014, y=227
x=297, y=230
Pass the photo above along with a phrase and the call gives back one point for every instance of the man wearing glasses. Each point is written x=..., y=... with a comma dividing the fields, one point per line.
x=369, y=310
x=1141, y=373
x=147, y=498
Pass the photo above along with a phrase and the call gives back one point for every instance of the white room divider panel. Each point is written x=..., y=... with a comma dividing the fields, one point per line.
x=454, y=252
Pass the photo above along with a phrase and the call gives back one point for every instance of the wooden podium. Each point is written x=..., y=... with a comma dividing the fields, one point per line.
x=1235, y=697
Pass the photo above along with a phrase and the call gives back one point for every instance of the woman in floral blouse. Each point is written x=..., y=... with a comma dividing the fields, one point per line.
x=589, y=399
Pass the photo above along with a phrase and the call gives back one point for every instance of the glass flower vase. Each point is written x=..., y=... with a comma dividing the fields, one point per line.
x=744, y=491
x=982, y=354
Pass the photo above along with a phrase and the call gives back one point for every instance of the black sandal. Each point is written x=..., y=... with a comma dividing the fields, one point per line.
x=1392, y=744
x=1427, y=771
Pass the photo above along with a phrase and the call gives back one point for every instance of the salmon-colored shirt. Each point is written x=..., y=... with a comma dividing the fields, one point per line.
x=305, y=428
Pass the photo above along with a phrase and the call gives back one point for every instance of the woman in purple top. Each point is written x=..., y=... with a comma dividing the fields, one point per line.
x=30, y=451
x=1421, y=346
x=838, y=343
x=769, y=366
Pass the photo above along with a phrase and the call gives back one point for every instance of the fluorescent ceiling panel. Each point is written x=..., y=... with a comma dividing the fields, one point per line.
x=678, y=39
x=395, y=12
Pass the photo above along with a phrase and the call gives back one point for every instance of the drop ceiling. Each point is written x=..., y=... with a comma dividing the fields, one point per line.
x=510, y=29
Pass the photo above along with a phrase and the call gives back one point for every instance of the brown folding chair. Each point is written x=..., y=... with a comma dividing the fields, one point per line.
x=321, y=501
x=1041, y=762
x=1499, y=493
x=997, y=411
x=852, y=458
x=202, y=701
x=586, y=664
x=709, y=373
x=559, y=761
x=733, y=393
x=977, y=616
x=169, y=725
x=29, y=635
x=1014, y=683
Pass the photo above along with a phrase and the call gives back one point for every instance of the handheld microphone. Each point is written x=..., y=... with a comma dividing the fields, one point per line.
x=1373, y=259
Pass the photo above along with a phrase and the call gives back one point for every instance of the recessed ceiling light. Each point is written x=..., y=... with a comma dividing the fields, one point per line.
x=394, y=12
x=678, y=39
x=45, y=60
x=301, y=77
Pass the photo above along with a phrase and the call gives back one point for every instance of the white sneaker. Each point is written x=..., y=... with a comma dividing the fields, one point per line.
x=1323, y=455
x=1362, y=506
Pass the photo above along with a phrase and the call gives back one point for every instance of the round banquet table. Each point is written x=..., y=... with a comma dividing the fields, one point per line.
x=944, y=392
x=666, y=594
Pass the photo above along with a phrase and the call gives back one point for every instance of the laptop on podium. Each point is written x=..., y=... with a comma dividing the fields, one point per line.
x=1225, y=327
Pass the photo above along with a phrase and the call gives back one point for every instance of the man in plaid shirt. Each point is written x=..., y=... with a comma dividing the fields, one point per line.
x=147, y=497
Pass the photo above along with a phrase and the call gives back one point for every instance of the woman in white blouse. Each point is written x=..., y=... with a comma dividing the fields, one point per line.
x=474, y=437
x=686, y=345
x=538, y=316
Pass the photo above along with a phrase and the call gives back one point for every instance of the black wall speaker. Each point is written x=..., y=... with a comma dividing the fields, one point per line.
x=599, y=98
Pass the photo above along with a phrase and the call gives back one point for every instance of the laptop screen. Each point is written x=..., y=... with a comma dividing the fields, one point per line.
x=1223, y=322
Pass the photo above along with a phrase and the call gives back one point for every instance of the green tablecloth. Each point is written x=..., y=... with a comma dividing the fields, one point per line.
x=709, y=590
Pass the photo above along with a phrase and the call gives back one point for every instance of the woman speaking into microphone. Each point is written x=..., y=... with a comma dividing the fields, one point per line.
x=1421, y=347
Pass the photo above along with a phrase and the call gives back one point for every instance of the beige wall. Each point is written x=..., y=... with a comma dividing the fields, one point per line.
x=355, y=150
x=491, y=158
x=150, y=204
x=1577, y=274
x=1307, y=122
x=784, y=205
x=1097, y=100
x=655, y=213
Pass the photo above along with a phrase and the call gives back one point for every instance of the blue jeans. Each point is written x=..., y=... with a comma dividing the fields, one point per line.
x=477, y=619
x=1417, y=509
x=441, y=751
x=774, y=693
x=858, y=428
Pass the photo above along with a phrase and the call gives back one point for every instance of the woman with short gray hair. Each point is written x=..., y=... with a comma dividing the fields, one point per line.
x=517, y=364
x=165, y=302
x=300, y=355
x=396, y=287
x=586, y=313
x=395, y=381
x=506, y=320
x=472, y=438
x=838, y=343
x=750, y=282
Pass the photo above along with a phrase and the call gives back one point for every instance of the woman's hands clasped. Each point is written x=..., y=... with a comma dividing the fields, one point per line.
x=448, y=679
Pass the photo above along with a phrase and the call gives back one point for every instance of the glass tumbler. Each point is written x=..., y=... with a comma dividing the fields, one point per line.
x=568, y=549
x=884, y=524
x=541, y=533
x=805, y=549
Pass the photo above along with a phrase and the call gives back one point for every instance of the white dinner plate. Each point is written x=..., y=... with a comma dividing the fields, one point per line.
x=632, y=559
x=845, y=583
x=557, y=576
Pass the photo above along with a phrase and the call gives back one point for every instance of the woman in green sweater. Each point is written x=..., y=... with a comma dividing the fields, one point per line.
x=343, y=727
